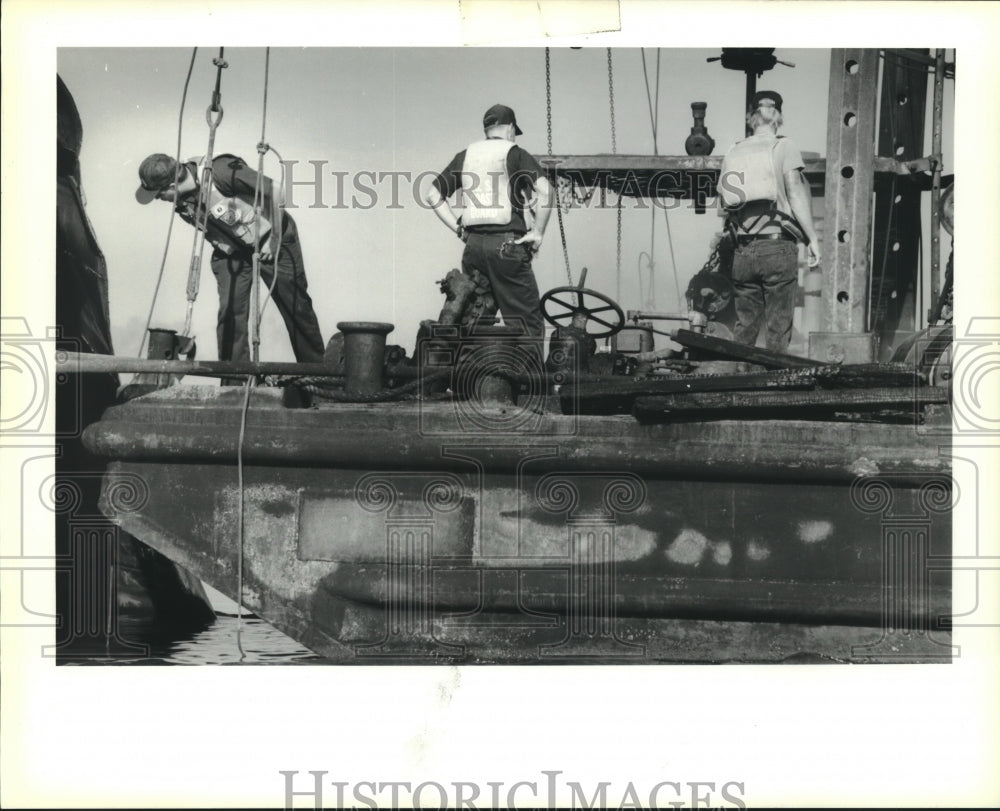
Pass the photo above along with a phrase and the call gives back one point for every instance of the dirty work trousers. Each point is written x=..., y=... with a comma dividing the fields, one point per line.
x=513, y=284
x=234, y=275
x=765, y=281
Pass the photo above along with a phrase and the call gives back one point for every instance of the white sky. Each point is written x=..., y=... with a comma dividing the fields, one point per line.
x=399, y=110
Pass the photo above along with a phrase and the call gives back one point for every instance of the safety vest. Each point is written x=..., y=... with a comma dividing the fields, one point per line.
x=486, y=183
x=231, y=221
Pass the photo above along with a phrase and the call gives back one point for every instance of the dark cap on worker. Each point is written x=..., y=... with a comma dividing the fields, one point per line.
x=156, y=173
x=500, y=114
x=761, y=95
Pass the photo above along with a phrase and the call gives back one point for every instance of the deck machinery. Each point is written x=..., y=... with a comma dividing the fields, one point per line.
x=720, y=504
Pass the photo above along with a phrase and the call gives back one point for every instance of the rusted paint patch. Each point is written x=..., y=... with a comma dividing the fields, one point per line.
x=864, y=467
x=722, y=553
x=757, y=551
x=688, y=547
x=278, y=507
x=814, y=531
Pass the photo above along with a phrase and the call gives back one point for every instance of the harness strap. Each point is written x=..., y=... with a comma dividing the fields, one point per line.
x=773, y=215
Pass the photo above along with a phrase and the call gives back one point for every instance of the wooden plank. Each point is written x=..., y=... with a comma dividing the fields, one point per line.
x=738, y=351
x=719, y=405
x=617, y=395
x=861, y=375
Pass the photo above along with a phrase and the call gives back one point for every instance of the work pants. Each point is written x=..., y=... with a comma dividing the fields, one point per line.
x=234, y=275
x=765, y=282
x=515, y=291
x=509, y=274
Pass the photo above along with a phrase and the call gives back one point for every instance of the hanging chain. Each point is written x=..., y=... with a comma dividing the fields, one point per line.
x=555, y=190
x=614, y=151
x=611, y=99
x=548, y=99
x=618, y=253
x=712, y=263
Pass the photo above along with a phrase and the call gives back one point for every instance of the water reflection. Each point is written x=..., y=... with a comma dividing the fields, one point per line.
x=218, y=644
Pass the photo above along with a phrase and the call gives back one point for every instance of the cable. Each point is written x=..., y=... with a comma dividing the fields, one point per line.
x=673, y=259
x=277, y=249
x=654, y=118
x=251, y=382
x=205, y=182
x=258, y=194
x=654, y=122
x=173, y=210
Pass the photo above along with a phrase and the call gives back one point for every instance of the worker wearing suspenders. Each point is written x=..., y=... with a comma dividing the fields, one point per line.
x=769, y=210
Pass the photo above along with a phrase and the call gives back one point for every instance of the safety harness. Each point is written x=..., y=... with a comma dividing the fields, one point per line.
x=230, y=226
x=750, y=190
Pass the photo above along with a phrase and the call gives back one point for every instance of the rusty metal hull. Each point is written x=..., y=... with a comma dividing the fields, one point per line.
x=432, y=532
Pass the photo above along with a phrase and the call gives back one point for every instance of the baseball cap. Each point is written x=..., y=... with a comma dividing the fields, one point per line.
x=766, y=94
x=500, y=114
x=156, y=173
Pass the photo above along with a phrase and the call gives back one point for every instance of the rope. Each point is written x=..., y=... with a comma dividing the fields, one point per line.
x=653, y=103
x=559, y=208
x=673, y=259
x=279, y=216
x=258, y=195
x=251, y=382
x=654, y=117
x=327, y=389
x=618, y=251
x=173, y=211
x=648, y=294
x=258, y=312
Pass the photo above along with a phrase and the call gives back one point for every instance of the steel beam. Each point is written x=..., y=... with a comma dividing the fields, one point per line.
x=936, y=139
x=896, y=238
x=850, y=150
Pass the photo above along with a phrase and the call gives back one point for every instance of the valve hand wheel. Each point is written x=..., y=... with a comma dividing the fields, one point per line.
x=583, y=309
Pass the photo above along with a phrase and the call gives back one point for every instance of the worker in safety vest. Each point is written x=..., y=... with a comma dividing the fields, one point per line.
x=769, y=209
x=497, y=184
x=233, y=229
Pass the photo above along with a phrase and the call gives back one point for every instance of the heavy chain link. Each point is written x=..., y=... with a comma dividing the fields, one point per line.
x=712, y=263
x=555, y=190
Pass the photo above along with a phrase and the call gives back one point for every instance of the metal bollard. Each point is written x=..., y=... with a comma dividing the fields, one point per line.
x=162, y=344
x=364, y=355
x=698, y=321
x=166, y=344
